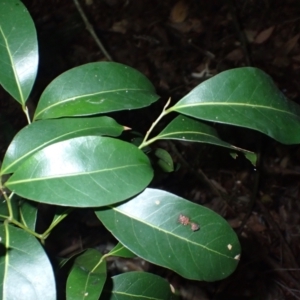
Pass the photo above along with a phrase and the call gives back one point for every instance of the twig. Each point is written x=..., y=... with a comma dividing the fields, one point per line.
x=146, y=142
x=287, y=251
x=240, y=32
x=286, y=276
x=91, y=30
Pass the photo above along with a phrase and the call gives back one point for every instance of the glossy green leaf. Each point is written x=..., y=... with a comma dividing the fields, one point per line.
x=245, y=97
x=28, y=214
x=95, y=88
x=83, y=172
x=87, y=277
x=120, y=251
x=183, y=128
x=149, y=226
x=186, y=129
x=165, y=161
x=18, y=50
x=40, y=134
x=137, y=285
x=25, y=270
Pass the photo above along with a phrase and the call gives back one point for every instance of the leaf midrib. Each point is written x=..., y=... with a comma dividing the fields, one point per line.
x=168, y=232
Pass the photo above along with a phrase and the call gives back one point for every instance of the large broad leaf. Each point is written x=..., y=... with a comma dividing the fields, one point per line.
x=137, y=285
x=245, y=97
x=87, y=277
x=25, y=270
x=83, y=172
x=95, y=88
x=164, y=229
x=40, y=134
x=18, y=50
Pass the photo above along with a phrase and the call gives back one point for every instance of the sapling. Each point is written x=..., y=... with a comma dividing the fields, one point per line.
x=71, y=155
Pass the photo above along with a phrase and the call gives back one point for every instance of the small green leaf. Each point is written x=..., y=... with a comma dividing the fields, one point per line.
x=18, y=50
x=83, y=172
x=120, y=251
x=245, y=97
x=165, y=160
x=87, y=277
x=95, y=88
x=25, y=270
x=186, y=129
x=137, y=285
x=28, y=214
x=40, y=134
x=149, y=226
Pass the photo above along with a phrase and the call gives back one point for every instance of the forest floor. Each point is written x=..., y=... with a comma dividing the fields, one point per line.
x=178, y=45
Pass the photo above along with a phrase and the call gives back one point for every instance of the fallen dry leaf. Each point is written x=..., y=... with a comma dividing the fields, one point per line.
x=264, y=35
x=179, y=12
x=290, y=44
x=235, y=55
x=250, y=35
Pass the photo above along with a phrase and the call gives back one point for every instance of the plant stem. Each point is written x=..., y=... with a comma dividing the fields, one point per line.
x=55, y=222
x=9, y=207
x=25, y=109
x=91, y=30
x=15, y=222
x=163, y=113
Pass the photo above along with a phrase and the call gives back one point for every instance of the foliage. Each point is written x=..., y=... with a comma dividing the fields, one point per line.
x=73, y=156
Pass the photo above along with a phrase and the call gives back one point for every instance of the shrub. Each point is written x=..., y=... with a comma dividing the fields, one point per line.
x=70, y=156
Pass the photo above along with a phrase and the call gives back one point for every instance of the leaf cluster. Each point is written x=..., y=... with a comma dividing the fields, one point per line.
x=71, y=155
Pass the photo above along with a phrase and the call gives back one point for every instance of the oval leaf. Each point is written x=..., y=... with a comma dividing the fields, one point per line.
x=83, y=172
x=95, y=88
x=245, y=97
x=137, y=285
x=186, y=129
x=87, y=277
x=165, y=161
x=164, y=229
x=40, y=134
x=18, y=50
x=183, y=128
x=25, y=270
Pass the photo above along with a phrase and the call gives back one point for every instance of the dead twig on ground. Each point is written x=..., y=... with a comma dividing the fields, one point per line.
x=91, y=30
x=288, y=254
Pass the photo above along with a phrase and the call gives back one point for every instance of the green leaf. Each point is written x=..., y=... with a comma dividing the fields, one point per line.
x=165, y=160
x=137, y=285
x=120, y=251
x=83, y=172
x=18, y=50
x=40, y=134
x=245, y=97
x=28, y=214
x=186, y=129
x=95, y=88
x=87, y=277
x=149, y=226
x=25, y=270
